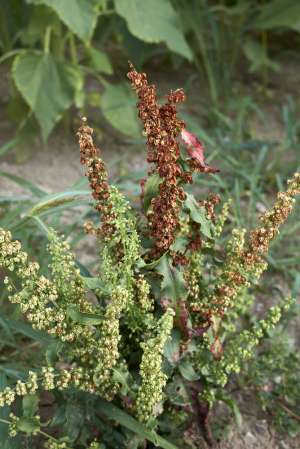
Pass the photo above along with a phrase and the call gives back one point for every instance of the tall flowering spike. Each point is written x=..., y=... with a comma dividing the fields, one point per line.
x=245, y=261
x=162, y=128
x=150, y=392
x=97, y=176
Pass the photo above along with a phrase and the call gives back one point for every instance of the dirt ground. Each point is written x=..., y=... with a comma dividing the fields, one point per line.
x=55, y=166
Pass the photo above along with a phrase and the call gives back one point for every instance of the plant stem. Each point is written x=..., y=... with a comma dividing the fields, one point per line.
x=264, y=36
x=44, y=434
x=47, y=40
x=201, y=410
x=289, y=411
x=73, y=51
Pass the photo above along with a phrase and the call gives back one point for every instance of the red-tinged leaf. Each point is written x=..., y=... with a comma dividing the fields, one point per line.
x=195, y=149
x=193, y=145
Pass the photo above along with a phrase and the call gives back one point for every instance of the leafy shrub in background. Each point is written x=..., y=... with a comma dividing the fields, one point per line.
x=57, y=55
x=152, y=341
x=54, y=49
x=221, y=34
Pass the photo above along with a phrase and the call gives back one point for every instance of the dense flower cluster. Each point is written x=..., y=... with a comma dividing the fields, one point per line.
x=240, y=348
x=244, y=261
x=153, y=379
x=162, y=127
x=98, y=178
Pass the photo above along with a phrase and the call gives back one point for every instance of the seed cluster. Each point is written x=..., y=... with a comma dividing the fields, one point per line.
x=98, y=179
x=241, y=347
x=244, y=261
x=162, y=127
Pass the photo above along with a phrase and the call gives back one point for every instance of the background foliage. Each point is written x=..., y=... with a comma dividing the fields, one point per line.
x=53, y=48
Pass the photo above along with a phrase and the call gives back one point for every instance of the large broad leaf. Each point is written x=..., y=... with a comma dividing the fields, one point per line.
x=173, y=284
x=118, y=106
x=258, y=56
x=154, y=21
x=99, y=61
x=48, y=86
x=78, y=15
x=187, y=371
x=28, y=425
x=279, y=13
x=198, y=214
x=30, y=405
x=172, y=347
x=114, y=413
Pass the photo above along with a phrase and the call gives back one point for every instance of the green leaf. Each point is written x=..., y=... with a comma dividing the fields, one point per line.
x=54, y=200
x=26, y=329
x=121, y=377
x=154, y=21
x=6, y=147
x=40, y=18
x=180, y=244
x=257, y=55
x=93, y=283
x=198, y=214
x=173, y=284
x=78, y=15
x=48, y=86
x=74, y=420
x=28, y=425
x=83, y=318
x=53, y=351
x=30, y=405
x=4, y=411
x=172, y=347
x=231, y=403
x=279, y=13
x=99, y=61
x=118, y=106
x=187, y=371
x=151, y=189
x=23, y=183
x=150, y=265
x=112, y=412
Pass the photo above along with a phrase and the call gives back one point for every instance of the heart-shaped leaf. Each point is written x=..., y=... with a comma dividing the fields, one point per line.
x=78, y=15
x=154, y=21
x=48, y=86
x=118, y=108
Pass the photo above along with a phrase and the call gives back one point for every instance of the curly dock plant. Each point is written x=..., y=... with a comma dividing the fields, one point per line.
x=152, y=341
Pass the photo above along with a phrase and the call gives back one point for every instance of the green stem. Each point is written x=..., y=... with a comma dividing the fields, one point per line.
x=73, y=51
x=46, y=435
x=95, y=74
x=47, y=40
x=107, y=12
x=264, y=37
x=41, y=224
